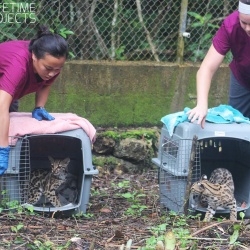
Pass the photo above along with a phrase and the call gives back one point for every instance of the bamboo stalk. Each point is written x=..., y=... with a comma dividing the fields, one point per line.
x=182, y=28
x=113, y=36
x=138, y=4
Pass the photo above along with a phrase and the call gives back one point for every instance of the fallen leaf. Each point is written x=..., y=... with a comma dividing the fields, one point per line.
x=110, y=239
x=221, y=229
x=128, y=245
x=119, y=234
x=234, y=237
x=153, y=215
x=105, y=210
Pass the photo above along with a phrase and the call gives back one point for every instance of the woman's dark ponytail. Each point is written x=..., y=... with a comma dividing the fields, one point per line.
x=47, y=42
x=43, y=30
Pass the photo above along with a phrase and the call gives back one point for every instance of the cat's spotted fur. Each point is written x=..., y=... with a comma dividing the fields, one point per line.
x=46, y=182
x=216, y=192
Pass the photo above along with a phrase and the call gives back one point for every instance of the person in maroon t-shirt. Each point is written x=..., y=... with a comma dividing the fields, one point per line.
x=26, y=67
x=234, y=36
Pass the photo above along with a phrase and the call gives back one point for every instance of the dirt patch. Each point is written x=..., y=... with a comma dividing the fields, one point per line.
x=122, y=207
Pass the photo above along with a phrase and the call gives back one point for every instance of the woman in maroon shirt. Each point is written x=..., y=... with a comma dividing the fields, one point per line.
x=233, y=35
x=27, y=67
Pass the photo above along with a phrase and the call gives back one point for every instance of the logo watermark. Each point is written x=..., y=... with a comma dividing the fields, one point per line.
x=17, y=13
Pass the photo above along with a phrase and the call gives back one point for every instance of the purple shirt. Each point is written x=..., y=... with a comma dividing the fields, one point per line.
x=17, y=76
x=232, y=37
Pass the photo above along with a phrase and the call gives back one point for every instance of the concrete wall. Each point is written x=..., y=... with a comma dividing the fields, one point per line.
x=127, y=93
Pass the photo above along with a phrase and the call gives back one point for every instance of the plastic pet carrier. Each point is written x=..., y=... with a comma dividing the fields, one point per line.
x=219, y=146
x=13, y=183
x=31, y=153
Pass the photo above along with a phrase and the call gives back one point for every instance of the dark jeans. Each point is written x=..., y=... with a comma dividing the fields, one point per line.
x=239, y=96
x=14, y=106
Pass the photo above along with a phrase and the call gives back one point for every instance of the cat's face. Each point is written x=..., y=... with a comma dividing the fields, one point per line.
x=59, y=167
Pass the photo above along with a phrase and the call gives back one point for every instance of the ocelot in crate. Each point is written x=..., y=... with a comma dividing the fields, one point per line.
x=47, y=182
x=217, y=192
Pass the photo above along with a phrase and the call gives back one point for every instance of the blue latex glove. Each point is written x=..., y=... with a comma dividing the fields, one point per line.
x=4, y=159
x=41, y=114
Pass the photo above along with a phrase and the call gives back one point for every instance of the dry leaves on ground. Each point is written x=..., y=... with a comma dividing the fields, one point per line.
x=122, y=207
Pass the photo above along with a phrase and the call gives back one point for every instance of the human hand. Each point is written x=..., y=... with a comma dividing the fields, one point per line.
x=4, y=159
x=41, y=114
x=198, y=113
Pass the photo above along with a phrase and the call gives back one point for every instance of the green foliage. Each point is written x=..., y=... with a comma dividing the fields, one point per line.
x=65, y=247
x=119, y=53
x=47, y=245
x=135, y=210
x=88, y=215
x=65, y=32
x=12, y=21
x=83, y=215
x=102, y=161
x=159, y=229
x=14, y=206
x=235, y=234
x=237, y=227
x=158, y=235
x=62, y=31
x=151, y=242
x=134, y=198
x=30, y=208
x=17, y=228
x=18, y=240
x=201, y=21
x=131, y=197
x=178, y=225
x=137, y=134
x=123, y=184
x=242, y=215
x=202, y=25
x=6, y=203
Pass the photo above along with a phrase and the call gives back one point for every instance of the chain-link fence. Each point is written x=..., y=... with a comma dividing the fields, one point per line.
x=121, y=29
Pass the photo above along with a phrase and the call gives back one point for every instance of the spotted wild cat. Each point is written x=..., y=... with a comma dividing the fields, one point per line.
x=47, y=182
x=217, y=192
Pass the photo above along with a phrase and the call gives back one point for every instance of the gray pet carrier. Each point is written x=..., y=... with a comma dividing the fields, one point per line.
x=31, y=152
x=220, y=146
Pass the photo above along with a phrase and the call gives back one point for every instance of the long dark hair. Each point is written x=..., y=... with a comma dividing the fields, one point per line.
x=48, y=42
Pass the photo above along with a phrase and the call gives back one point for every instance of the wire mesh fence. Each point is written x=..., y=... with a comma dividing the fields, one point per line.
x=157, y=30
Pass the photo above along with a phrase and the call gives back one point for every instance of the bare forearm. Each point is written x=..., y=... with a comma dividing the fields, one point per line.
x=4, y=131
x=203, y=82
x=204, y=77
x=42, y=96
x=205, y=74
x=5, y=101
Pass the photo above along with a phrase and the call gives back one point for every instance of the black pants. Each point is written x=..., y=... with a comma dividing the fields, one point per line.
x=14, y=106
x=239, y=96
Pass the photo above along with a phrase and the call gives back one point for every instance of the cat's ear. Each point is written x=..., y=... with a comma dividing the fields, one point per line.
x=51, y=159
x=66, y=161
x=204, y=177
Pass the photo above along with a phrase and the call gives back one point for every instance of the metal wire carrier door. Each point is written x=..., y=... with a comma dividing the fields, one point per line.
x=14, y=183
x=175, y=170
